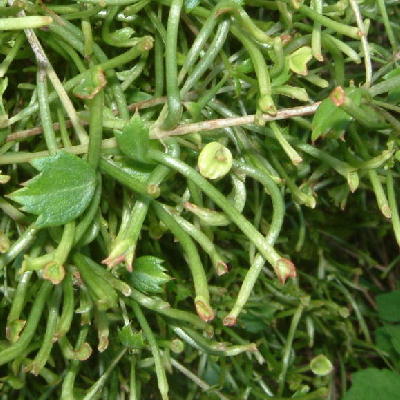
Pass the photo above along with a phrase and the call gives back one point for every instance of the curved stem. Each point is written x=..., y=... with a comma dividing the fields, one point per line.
x=202, y=298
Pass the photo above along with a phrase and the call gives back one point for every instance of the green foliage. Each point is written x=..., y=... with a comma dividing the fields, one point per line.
x=389, y=306
x=237, y=216
x=372, y=384
x=149, y=275
x=130, y=339
x=321, y=365
x=329, y=118
x=299, y=59
x=60, y=193
x=134, y=140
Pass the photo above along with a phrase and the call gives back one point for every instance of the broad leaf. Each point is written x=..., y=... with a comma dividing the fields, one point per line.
x=374, y=384
x=149, y=275
x=389, y=306
x=134, y=139
x=61, y=192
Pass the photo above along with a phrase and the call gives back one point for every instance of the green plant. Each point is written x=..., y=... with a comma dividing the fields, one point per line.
x=209, y=190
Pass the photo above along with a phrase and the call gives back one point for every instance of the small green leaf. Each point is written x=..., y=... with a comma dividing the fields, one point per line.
x=134, y=139
x=130, y=339
x=298, y=60
x=149, y=275
x=389, y=306
x=374, y=384
x=61, y=192
x=90, y=84
x=329, y=118
x=321, y=365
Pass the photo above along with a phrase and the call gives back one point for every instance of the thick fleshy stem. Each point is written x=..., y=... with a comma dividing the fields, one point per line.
x=208, y=58
x=67, y=313
x=124, y=245
x=251, y=277
x=347, y=30
x=199, y=342
x=16, y=349
x=265, y=102
x=67, y=389
x=96, y=106
x=289, y=343
x=44, y=353
x=237, y=218
x=24, y=241
x=203, y=240
x=160, y=371
x=14, y=324
x=317, y=6
x=174, y=102
x=202, y=298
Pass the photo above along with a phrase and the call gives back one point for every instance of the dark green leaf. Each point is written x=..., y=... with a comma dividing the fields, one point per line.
x=61, y=192
x=389, y=306
x=134, y=139
x=374, y=384
x=149, y=275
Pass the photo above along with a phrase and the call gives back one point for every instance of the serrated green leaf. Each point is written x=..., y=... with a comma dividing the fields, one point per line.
x=130, y=339
x=149, y=275
x=373, y=384
x=389, y=306
x=328, y=118
x=134, y=139
x=299, y=59
x=60, y=193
